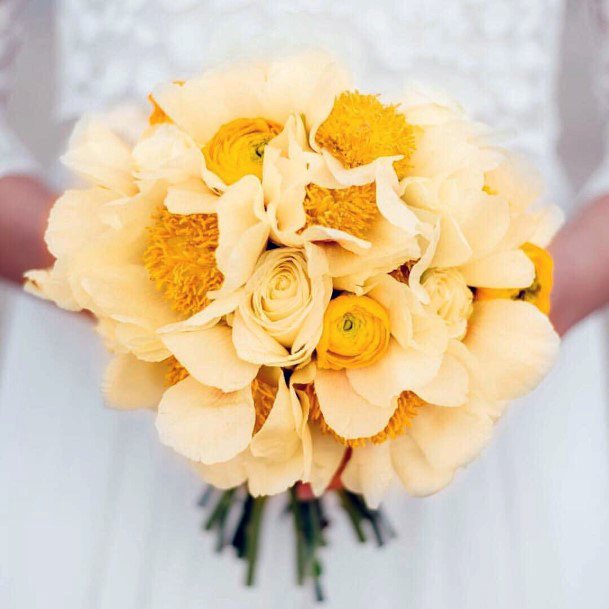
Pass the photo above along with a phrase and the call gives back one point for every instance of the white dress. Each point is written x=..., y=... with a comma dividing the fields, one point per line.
x=95, y=513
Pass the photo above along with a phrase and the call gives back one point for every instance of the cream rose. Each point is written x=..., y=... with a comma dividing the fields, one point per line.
x=280, y=320
x=450, y=298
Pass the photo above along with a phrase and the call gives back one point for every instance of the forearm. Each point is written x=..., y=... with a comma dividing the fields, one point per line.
x=581, y=261
x=24, y=209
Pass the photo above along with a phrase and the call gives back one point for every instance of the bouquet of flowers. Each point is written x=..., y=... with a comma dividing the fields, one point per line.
x=306, y=284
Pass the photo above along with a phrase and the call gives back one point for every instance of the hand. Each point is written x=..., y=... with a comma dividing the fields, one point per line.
x=581, y=266
x=24, y=208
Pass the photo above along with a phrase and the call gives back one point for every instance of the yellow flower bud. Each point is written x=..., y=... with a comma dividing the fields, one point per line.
x=355, y=333
x=237, y=148
x=538, y=293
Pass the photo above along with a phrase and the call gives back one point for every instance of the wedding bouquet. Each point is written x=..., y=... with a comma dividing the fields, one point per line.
x=306, y=284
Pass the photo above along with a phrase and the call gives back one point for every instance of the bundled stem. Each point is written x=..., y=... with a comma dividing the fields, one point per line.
x=310, y=527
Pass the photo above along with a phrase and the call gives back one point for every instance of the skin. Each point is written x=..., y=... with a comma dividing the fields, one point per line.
x=580, y=251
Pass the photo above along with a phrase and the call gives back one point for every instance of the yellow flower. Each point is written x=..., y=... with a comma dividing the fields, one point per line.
x=538, y=293
x=355, y=334
x=180, y=258
x=237, y=148
x=352, y=209
x=361, y=129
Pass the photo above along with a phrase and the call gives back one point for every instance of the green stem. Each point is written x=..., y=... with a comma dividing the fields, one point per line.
x=252, y=537
x=354, y=515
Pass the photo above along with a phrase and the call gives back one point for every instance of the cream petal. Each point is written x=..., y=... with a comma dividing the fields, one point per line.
x=207, y=317
x=450, y=387
x=254, y=345
x=210, y=356
x=347, y=412
x=389, y=202
x=131, y=383
x=244, y=231
x=100, y=156
x=418, y=477
x=229, y=474
x=486, y=221
x=273, y=477
x=450, y=437
x=204, y=423
x=453, y=248
x=509, y=269
x=52, y=284
x=167, y=153
x=278, y=439
x=369, y=472
x=548, y=223
x=107, y=286
x=514, y=345
x=144, y=343
x=327, y=455
x=191, y=197
x=399, y=370
x=74, y=220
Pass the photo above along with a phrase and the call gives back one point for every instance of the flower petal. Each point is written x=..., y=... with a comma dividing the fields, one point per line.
x=205, y=424
x=418, y=477
x=347, y=412
x=327, y=455
x=210, y=356
x=508, y=269
x=131, y=383
x=514, y=345
x=369, y=472
x=450, y=437
x=450, y=386
x=399, y=370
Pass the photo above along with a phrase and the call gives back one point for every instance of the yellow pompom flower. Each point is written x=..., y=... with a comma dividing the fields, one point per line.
x=361, y=129
x=237, y=148
x=355, y=333
x=352, y=209
x=180, y=258
x=538, y=293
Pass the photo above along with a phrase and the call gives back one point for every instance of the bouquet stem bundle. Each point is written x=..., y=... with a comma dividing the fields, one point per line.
x=310, y=523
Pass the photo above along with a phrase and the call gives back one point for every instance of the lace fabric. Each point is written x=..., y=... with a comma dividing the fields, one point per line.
x=14, y=158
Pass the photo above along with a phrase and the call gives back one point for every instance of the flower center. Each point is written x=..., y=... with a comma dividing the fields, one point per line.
x=407, y=408
x=538, y=293
x=360, y=129
x=264, y=395
x=237, y=148
x=175, y=372
x=180, y=258
x=350, y=209
x=355, y=333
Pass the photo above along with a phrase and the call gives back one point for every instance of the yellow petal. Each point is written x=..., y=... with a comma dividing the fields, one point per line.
x=205, y=424
x=327, y=455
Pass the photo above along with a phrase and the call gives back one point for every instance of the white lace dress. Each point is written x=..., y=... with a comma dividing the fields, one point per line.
x=94, y=513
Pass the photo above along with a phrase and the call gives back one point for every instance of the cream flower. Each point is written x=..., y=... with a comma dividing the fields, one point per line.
x=374, y=351
x=279, y=320
x=278, y=453
x=450, y=298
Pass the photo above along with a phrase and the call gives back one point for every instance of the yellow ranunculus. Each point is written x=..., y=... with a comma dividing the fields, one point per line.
x=356, y=333
x=237, y=148
x=538, y=293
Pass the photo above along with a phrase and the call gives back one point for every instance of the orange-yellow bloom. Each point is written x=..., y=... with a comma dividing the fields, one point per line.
x=355, y=333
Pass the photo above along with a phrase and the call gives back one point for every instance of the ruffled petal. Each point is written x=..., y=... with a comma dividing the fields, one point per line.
x=131, y=383
x=210, y=356
x=514, y=345
x=205, y=424
x=415, y=472
x=347, y=412
x=369, y=472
